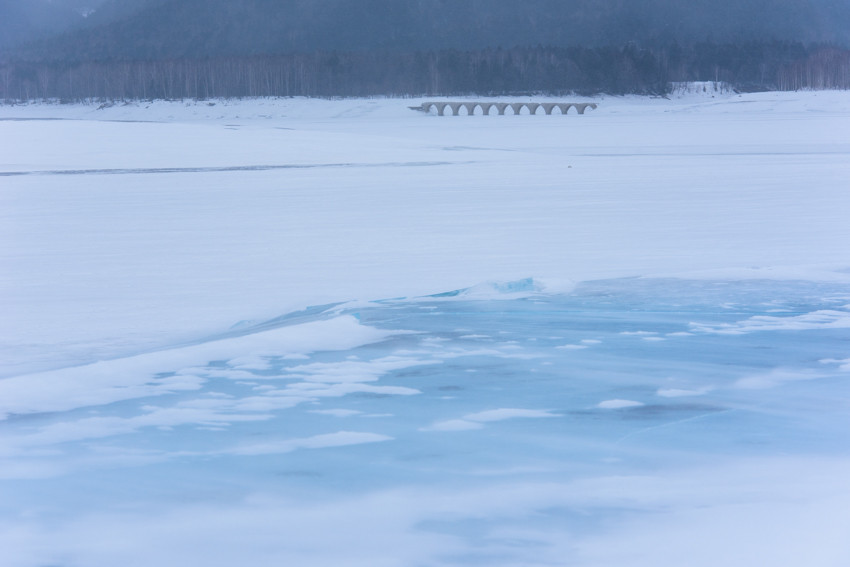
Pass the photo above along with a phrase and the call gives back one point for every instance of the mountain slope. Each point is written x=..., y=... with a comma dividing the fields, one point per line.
x=22, y=21
x=203, y=28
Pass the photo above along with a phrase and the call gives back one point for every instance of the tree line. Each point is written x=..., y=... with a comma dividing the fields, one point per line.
x=629, y=69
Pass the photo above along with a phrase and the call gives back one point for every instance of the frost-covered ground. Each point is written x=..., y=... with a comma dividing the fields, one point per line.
x=614, y=339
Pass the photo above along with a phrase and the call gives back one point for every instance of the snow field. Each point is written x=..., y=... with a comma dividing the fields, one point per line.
x=610, y=339
x=394, y=203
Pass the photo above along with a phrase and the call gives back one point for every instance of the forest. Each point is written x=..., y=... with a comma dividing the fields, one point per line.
x=173, y=49
x=520, y=70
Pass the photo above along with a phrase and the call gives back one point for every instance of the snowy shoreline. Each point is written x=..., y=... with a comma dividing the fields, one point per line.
x=270, y=108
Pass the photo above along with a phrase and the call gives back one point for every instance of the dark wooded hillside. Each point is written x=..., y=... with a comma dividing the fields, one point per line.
x=213, y=48
x=173, y=29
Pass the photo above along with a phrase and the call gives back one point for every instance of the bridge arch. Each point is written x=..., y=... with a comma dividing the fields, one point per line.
x=455, y=106
x=439, y=106
x=550, y=107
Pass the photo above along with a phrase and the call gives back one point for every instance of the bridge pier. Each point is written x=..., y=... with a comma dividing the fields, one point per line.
x=517, y=107
x=470, y=108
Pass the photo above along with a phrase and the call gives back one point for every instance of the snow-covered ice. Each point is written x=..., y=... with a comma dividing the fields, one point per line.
x=311, y=332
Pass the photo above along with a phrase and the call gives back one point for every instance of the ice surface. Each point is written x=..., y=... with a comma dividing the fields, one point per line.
x=297, y=332
x=217, y=212
x=510, y=450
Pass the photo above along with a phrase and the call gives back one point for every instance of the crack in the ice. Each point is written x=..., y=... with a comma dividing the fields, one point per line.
x=230, y=168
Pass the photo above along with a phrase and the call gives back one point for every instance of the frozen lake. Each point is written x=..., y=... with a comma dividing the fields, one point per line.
x=645, y=361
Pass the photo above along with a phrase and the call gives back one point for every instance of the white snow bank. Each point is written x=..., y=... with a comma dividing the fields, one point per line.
x=776, y=377
x=507, y=413
x=351, y=371
x=619, y=404
x=476, y=420
x=339, y=439
x=134, y=377
x=681, y=392
x=822, y=319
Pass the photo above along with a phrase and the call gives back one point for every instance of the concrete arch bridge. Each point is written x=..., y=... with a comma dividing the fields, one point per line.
x=502, y=107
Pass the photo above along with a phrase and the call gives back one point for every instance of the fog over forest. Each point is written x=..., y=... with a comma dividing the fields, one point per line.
x=364, y=47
